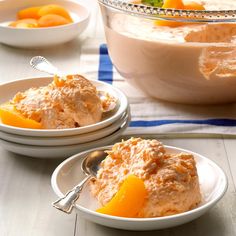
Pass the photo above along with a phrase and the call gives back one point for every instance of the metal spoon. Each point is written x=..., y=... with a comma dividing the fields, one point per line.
x=42, y=64
x=90, y=166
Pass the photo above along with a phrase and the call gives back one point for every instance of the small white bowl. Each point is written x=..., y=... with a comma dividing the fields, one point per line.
x=8, y=90
x=67, y=140
x=213, y=184
x=41, y=37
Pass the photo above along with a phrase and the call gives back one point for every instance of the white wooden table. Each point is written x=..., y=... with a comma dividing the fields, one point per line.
x=25, y=190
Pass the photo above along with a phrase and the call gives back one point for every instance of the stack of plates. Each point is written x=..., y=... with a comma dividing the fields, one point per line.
x=61, y=143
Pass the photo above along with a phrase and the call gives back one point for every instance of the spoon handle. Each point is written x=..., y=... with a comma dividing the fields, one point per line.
x=42, y=64
x=67, y=202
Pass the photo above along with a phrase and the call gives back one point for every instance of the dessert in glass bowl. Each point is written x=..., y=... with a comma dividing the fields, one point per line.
x=67, y=102
x=175, y=52
x=139, y=178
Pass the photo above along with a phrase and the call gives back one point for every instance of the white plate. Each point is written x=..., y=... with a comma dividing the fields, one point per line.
x=59, y=151
x=67, y=140
x=213, y=184
x=41, y=37
x=8, y=90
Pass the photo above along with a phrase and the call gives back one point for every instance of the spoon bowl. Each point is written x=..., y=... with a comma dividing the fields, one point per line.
x=90, y=166
x=91, y=162
x=42, y=64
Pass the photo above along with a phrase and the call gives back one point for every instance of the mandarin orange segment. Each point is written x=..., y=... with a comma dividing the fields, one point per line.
x=25, y=23
x=168, y=23
x=193, y=6
x=176, y=4
x=31, y=12
x=10, y=116
x=128, y=201
x=59, y=82
x=56, y=10
x=52, y=20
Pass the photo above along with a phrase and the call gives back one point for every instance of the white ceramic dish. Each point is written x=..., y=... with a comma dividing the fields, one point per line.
x=68, y=140
x=62, y=151
x=8, y=90
x=41, y=37
x=213, y=184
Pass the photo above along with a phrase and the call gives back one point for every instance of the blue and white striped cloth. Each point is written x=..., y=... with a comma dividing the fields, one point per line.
x=154, y=116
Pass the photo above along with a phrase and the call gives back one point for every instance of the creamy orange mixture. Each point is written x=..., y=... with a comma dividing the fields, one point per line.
x=215, y=40
x=64, y=103
x=218, y=60
x=171, y=180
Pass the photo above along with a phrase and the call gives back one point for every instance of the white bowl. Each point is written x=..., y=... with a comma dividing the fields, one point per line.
x=213, y=184
x=8, y=90
x=67, y=140
x=62, y=151
x=41, y=37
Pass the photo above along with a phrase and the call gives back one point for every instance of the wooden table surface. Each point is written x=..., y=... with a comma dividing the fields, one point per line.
x=25, y=189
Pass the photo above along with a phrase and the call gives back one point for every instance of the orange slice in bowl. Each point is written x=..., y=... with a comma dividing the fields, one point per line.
x=31, y=12
x=56, y=10
x=52, y=20
x=24, y=23
x=128, y=201
x=10, y=116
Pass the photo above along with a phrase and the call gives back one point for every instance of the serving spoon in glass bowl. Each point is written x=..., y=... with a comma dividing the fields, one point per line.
x=109, y=103
x=90, y=166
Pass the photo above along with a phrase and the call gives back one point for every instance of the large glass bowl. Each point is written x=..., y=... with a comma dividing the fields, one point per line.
x=199, y=68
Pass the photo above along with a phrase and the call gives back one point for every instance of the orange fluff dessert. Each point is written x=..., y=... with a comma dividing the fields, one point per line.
x=170, y=181
x=67, y=102
x=181, y=62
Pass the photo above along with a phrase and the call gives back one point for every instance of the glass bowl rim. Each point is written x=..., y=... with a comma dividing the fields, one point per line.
x=204, y=16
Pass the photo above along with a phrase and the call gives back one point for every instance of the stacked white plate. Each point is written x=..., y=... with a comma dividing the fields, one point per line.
x=61, y=143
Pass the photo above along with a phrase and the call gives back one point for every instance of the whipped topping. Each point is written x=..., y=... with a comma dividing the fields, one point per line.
x=170, y=180
x=65, y=103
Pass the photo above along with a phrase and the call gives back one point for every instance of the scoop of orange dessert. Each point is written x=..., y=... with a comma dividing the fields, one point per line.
x=170, y=180
x=129, y=199
x=72, y=103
